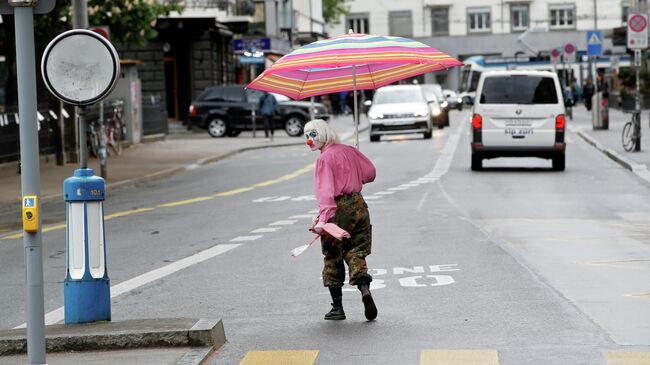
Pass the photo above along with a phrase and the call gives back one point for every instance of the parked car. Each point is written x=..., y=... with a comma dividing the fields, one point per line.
x=228, y=110
x=455, y=101
x=435, y=110
x=518, y=114
x=436, y=89
x=399, y=109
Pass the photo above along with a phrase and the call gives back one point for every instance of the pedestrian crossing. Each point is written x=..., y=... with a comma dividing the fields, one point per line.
x=428, y=357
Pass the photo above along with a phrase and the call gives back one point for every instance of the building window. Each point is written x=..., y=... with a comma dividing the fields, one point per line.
x=440, y=21
x=563, y=16
x=519, y=17
x=625, y=10
x=358, y=23
x=400, y=23
x=478, y=20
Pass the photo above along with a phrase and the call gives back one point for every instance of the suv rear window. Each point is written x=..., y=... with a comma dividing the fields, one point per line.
x=227, y=93
x=519, y=90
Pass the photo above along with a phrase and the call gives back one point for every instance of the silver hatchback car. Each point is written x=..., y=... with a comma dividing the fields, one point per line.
x=399, y=109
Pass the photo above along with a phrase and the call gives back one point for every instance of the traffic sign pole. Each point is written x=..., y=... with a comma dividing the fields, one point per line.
x=30, y=179
x=637, y=102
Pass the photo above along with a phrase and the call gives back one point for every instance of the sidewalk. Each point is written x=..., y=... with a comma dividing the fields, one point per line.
x=609, y=141
x=181, y=151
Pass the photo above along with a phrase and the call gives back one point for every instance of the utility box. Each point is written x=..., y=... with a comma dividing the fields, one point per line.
x=129, y=89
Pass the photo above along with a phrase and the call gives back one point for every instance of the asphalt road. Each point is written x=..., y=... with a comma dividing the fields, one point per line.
x=516, y=264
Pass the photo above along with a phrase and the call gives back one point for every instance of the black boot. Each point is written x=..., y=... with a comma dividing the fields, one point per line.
x=368, y=302
x=337, y=312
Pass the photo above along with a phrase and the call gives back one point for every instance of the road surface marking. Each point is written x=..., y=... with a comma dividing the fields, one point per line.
x=314, y=211
x=409, y=185
x=628, y=358
x=295, y=357
x=266, y=230
x=183, y=202
x=289, y=176
x=421, y=203
x=57, y=315
x=284, y=223
x=459, y=357
x=372, y=197
x=302, y=216
x=641, y=296
x=398, y=188
x=246, y=238
x=385, y=193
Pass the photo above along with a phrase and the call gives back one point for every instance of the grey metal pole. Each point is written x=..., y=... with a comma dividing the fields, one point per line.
x=102, y=142
x=355, y=116
x=80, y=14
x=80, y=21
x=637, y=97
x=30, y=180
x=83, y=137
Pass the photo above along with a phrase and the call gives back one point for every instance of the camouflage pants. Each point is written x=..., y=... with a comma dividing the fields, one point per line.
x=351, y=215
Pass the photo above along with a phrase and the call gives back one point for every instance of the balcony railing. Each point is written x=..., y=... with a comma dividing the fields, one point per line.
x=231, y=7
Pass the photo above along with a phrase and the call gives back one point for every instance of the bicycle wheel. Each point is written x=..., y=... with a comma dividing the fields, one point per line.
x=628, y=139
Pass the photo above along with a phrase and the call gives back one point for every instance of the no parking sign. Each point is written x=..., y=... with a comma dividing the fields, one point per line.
x=637, y=31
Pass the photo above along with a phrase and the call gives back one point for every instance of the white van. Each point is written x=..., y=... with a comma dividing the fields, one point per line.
x=518, y=114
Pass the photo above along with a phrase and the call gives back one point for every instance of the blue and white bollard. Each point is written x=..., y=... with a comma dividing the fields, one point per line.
x=86, y=292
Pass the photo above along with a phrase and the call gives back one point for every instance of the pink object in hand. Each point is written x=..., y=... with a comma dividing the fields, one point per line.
x=335, y=231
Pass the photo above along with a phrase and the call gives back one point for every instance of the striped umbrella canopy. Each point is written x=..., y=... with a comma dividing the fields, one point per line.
x=352, y=61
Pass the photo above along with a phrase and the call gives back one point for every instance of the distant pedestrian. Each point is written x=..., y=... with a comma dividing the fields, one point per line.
x=341, y=171
x=588, y=91
x=268, y=108
x=343, y=102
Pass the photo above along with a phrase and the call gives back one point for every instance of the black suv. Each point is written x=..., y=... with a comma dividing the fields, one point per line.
x=227, y=110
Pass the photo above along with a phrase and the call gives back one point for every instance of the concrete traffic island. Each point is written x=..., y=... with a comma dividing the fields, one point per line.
x=134, y=334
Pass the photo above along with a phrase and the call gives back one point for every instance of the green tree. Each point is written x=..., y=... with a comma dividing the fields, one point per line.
x=333, y=9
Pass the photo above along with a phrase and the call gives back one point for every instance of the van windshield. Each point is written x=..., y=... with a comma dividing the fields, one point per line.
x=519, y=89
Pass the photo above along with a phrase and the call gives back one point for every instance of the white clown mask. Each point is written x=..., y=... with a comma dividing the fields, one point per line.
x=313, y=140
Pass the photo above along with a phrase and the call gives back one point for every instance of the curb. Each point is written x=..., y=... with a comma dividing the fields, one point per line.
x=203, y=336
x=640, y=170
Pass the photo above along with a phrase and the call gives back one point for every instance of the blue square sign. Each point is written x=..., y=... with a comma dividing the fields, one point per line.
x=29, y=202
x=595, y=43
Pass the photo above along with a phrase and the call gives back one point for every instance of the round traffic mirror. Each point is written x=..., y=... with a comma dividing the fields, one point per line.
x=80, y=67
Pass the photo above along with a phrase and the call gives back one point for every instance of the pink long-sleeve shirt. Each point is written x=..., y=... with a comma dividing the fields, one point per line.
x=340, y=169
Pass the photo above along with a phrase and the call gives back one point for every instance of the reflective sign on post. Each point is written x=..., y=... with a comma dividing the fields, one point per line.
x=637, y=31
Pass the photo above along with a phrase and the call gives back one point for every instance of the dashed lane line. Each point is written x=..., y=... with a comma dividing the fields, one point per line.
x=194, y=200
x=246, y=238
x=628, y=358
x=284, y=223
x=301, y=216
x=293, y=357
x=459, y=357
x=266, y=230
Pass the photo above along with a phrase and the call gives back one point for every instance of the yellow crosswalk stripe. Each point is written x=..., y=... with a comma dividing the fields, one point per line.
x=459, y=357
x=295, y=357
x=628, y=358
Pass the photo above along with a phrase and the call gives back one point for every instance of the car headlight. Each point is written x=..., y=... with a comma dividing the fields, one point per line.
x=421, y=113
x=444, y=104
x=375, y=115
x=316, y=111
x=436, y=111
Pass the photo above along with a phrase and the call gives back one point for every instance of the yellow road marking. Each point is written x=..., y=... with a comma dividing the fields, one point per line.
x=642, y=295
x=292, y=175
x=183, y=202
x=296, y=357
x=4, y=230
x=628, y=358
x=459, y=357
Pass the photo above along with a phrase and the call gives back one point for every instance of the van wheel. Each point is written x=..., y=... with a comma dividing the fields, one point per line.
x=427, y=135
x=374, y=138
x=217, y=127
x=477, y=162
x=559, y=162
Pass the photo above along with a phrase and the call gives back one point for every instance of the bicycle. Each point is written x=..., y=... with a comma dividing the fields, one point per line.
x=632, y=132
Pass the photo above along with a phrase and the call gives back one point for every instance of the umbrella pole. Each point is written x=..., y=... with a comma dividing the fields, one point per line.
x=355, y=116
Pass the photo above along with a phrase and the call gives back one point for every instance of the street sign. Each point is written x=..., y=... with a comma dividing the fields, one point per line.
x=595, y=43
x=555, y=55
x=80, y=67
x=637, y=31
x=41, y=7
x=569, y=53
x=259, y=44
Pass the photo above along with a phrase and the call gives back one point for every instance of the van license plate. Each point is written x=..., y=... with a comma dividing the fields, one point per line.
x=518, y=131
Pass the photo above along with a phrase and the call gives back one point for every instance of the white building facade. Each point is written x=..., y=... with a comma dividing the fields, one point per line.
x=492, y=28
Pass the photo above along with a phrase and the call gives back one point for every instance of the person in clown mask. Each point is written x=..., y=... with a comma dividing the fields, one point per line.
x=340, y=173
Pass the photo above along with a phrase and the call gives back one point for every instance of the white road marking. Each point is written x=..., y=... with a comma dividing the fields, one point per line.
x=398, y=188
x=421, y=203
x=409, y=185
x=304, y=198
x=58, y=315
x=266, y=230
x=372, y=197
x=385, y=193
x=284, y=223
x=314, y=211
x=246, y=238
x=271, y=199
x=301, y=216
